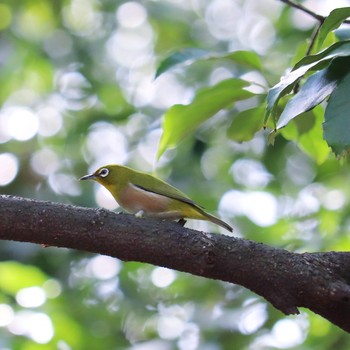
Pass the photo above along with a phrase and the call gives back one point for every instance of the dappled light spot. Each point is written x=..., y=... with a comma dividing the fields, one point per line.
x=131, y=14
x=34, y=325
x=104, y=267
x=170, y=327
x=6, y=315
x=64, y=184
x=35, y=20
x=19, y=123
x=9, y=168
x=130, y=48
x=126, y=45
x=52, y=288
x=298, y=169
x=4, y=136
x=303, y=21
x=220, y=74
x=307, y=201
x=137, y=123
x=173, y=320
x=162, y=277
x=83, y=17
x=31, y=297
x=333, y=200
x=256, y=32
x=109, y=290
x=252, y=318
x=285, y=334
x=222, y=17
x=250, y=173
x=50, y=121
x=44, y=162
x=147, y=147
x=169, y=91
x=190, y=337
x=260, y=207
x=288, y=333
x=75, y=90
x=107, y=144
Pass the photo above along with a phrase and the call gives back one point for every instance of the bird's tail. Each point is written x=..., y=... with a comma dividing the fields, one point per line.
x=217, y=221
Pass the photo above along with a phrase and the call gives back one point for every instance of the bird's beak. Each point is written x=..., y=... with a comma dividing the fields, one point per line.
x=88, y=177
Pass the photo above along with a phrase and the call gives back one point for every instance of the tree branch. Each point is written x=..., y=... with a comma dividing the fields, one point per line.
x=317, y=281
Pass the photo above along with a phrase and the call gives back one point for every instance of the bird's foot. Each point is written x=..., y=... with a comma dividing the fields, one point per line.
x=182, y=222
x=140, y=214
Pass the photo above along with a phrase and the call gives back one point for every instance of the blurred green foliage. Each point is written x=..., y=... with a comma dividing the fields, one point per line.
x=78, y=90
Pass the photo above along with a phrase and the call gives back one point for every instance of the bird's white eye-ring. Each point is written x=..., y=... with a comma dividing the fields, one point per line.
x=103, y=172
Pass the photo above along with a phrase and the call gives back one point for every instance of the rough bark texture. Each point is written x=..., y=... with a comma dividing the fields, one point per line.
x=317, y=281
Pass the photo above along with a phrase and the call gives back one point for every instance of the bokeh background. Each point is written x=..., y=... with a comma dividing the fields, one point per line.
x=78, y=91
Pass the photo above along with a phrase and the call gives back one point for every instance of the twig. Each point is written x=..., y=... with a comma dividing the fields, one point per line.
x=304, y=9
x=308, y=51
x=313, y=38
x=309, y=12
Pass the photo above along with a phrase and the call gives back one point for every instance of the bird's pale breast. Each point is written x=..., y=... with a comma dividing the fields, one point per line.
x=134, y=199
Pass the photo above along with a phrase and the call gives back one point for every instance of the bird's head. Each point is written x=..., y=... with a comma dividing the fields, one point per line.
x=105, y=175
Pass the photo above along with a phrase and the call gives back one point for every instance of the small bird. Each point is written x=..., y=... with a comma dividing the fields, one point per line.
x=145, y=195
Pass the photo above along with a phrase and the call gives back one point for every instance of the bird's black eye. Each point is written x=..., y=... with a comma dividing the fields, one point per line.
x=103, y=172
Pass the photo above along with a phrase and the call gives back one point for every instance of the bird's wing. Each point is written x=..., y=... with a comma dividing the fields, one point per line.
x=164, y=189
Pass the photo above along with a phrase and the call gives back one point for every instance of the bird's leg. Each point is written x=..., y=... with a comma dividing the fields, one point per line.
x=140, y=214
x=182, y=222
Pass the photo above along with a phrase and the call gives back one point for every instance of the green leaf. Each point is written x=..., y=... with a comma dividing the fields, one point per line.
x=15, y=276
x=182, y=57
x=245, y=124
x=290, y=132
x=312, y=142
x=340, y=49
x=306, y=132
x=333, y=21
x=247, y=58
x=337, y=123
x=315, y=89
x=180, y=120
x=190, y=55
